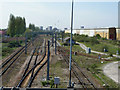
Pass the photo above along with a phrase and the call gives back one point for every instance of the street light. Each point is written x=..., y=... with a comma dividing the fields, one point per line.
x=71, y=44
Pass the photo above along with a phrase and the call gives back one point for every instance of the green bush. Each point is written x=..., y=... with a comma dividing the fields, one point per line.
x=85, y=38
x=14, y=44
x=97, y=36
x=51, y=83
x=44, y=83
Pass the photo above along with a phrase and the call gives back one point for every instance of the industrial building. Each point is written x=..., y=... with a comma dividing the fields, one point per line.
x=109, y=33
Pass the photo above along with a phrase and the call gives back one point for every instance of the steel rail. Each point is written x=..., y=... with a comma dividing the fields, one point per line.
x=24, y=77
x=76, y=74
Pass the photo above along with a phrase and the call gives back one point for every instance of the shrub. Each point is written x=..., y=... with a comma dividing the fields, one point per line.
x=97, y=36
x=51, y=83
x=85, y=38
x=44, y=83
x=14, y=44
x=94, y=41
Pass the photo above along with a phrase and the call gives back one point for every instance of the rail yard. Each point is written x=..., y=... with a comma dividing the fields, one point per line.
x=44, y=60
x=41, y=49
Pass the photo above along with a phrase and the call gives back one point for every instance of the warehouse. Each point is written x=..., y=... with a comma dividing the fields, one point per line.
x=109, y=33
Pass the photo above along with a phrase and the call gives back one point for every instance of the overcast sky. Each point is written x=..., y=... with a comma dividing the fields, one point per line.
x=57, y=14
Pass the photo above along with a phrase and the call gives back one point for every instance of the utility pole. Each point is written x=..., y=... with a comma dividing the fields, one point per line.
x=48, y=60
x=55, y=43
x=71, y=45
x=26, y=43
x=62, y=36
x=52, y=39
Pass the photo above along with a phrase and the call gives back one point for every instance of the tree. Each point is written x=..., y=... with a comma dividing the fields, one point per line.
x=16, y=26
x=24, y=25
x=30, y=26
x=11, y=26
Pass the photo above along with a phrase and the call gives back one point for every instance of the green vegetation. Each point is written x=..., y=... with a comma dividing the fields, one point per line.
x=97, y=43
x=33, y=27
x=76, y=48
x=95, y=67
x=8, y=48
x=49, y=82
x=16, y=26
x=6, y=51
x=112, y=49
x=85, y=38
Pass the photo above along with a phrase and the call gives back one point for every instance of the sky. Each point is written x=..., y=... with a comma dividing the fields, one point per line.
x=57, y=14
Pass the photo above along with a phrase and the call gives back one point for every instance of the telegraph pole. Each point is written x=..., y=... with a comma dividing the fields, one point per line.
x=71, y=45
x=48, y=56
x=55, y=42
x=25, y=43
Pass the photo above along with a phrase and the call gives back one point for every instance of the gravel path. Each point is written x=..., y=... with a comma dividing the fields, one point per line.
x=111, y=70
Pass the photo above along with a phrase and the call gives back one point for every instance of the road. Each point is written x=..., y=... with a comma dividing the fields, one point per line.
x=111, y=70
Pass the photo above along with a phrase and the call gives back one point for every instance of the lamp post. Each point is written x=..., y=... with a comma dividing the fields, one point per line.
x=71, y=45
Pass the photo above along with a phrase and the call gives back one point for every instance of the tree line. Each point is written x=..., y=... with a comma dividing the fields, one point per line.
x=16, y=26
x=33, y=27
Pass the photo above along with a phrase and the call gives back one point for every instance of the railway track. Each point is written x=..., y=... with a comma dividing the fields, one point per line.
x=7, y=63
x=10, y=61
x=87, y=55
x=30, y=74
x=79, y=74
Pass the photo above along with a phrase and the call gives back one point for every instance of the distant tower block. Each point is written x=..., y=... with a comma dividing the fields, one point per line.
x=41, y=27
x=49, y=28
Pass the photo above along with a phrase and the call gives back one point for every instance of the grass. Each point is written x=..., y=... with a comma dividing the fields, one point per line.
x=56, y=69
x=100, y=47
x=76, y=48
x=6, y=51
x=98, y=44
x=95, y=66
